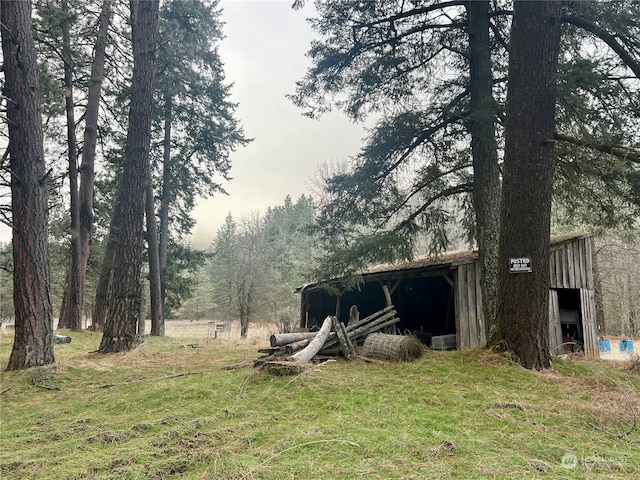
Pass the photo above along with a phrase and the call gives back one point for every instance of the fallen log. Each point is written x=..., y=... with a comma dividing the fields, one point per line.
x=343, y=338
x=307, y=353
x=363, y=321
x=362, y=330
x=280, y=339
x=295, y=346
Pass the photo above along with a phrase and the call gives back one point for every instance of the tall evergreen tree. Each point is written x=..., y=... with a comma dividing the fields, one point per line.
x=381, y=58
x=435, y=75
x=33, y=340
x=120, y=330
x=194, y=120
x=523, y=298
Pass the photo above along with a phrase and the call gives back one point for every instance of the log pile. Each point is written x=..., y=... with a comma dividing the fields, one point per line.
x=289, y=352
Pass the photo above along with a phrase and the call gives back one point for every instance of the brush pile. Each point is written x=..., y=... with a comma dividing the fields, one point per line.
x=291, y=353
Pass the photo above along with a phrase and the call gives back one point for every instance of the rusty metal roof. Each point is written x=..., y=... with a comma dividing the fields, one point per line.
x=442, y=260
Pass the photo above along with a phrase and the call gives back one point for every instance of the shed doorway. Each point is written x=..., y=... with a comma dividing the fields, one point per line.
x=571, y=319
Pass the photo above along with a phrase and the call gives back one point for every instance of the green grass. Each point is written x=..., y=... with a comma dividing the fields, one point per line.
x=169, y=411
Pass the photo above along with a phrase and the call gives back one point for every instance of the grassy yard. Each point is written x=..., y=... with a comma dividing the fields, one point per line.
x=166, y=410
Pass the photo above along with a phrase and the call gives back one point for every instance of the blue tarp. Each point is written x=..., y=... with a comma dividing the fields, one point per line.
x=604, y=346
x=626, y=346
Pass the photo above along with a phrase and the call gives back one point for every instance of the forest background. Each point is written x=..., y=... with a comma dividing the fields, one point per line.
x=256, y=261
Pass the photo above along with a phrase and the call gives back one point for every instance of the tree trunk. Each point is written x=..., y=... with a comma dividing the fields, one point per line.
x=486, y=171
x=157, y=319
x=87, y=168
x=101, y=304
x=523, y=298
x=281, y=339
x=33, y=339
x=71, y=311
x=244, y=321
x=165, y=200
x=120, y=330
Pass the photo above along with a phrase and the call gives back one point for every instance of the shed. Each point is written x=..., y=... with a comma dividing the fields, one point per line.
x=441, y=295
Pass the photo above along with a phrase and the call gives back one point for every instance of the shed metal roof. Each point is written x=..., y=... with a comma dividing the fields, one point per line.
x=440, y=261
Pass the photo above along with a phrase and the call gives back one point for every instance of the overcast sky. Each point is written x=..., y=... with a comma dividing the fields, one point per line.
x=264, y=54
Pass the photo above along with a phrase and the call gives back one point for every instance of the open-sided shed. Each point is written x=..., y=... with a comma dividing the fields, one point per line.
x=441, y=295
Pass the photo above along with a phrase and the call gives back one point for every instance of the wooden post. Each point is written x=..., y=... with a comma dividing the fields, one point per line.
x=354, y=314
x=387, y=294
x=338, y=305
x=346, y=346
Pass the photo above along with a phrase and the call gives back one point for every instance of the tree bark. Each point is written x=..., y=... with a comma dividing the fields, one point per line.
x=120, y=330
x=101, y=304
x=87, y=167
x=33, y=339
x=157, y=319
x=280, y=339
x=71, y=311
x=165, y=199
x=484, y=149
x=523, y=298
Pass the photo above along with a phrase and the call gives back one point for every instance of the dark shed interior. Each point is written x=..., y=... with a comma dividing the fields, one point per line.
x=423, y=303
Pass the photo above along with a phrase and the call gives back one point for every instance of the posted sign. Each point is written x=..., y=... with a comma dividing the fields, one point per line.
x=520, y=265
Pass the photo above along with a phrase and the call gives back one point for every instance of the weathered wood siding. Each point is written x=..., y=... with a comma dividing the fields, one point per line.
x=571, y=263
x=588, y=305
x=571, y=266
x=470, y=321
x=555, y=330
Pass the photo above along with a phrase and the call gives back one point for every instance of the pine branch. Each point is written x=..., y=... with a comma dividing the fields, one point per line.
x=607, y=38
x=623, y=153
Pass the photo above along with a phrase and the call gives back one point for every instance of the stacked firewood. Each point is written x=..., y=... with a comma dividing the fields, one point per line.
x=333, y=339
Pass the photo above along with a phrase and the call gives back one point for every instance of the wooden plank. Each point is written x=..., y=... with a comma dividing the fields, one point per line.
x=577, y=262
x=557, y=260
x=456, y=303
x=552, y=270
x=589, y=262
x=480, y=313
x=565, y=268
x=588, y=313
x=472, y=306
x=570, y=266
x=555, y=331
x=463, y=332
